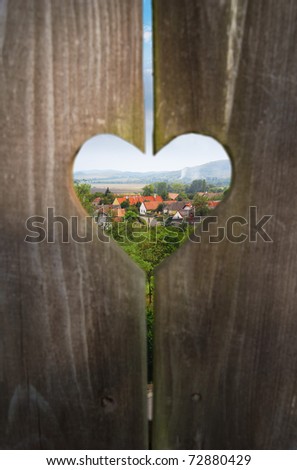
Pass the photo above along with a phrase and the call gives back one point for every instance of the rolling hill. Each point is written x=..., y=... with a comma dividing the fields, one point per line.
x=217, y=170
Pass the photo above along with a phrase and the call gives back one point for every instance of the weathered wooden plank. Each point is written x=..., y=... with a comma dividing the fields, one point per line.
x=226, y=324
x=72, y=344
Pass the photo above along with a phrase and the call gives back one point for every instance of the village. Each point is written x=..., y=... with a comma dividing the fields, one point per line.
x=154, y=210
x=150, y=226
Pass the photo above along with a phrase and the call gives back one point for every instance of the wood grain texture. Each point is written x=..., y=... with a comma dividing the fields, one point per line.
x=72, y=324
x=226, y=323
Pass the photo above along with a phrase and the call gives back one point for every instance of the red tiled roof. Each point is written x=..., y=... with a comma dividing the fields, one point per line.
x=153, y=198
x=135, y=199
x=172, y=195
x=97, y=199
x=151, y=205
x=167, y=203
x=177, y=205
x=121, y=199
x=209, y=195
x=213, y=204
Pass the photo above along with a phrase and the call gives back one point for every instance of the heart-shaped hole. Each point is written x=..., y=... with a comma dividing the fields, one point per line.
x=149, y=204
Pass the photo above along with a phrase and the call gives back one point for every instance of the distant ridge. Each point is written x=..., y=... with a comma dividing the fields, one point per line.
x=217, y=170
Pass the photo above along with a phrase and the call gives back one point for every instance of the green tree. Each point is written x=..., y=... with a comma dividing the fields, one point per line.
x=97, y=194
x=108, y=198
x=177, y=187
x=182, y=196
x=200, y=204
x=134, y=209
x=162, y=189
x=125, y=204
x=131, y=215
x=197, y=186
x=148, y=190
x=83, y=192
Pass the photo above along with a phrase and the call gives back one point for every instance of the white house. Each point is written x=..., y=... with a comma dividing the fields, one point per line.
x=149, y=206
x=177, y=216
x=142, y=209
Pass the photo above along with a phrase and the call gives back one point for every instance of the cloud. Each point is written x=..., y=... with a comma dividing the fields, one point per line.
x=147, y=33
x=147, y=36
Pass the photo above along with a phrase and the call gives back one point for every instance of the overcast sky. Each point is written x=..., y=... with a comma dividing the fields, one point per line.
x=110, y=152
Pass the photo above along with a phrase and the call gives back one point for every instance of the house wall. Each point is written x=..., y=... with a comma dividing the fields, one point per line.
x=142, y=209
x=177, y=215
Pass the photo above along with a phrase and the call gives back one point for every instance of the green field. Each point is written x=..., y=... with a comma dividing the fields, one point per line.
x=132, y=188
